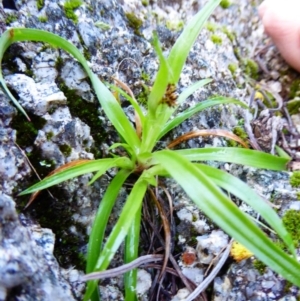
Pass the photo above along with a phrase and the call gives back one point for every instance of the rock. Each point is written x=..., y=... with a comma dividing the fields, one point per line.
x=27, y=265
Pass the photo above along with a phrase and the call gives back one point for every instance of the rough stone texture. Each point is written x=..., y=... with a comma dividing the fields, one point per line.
x=28, y=269
x=116, y=50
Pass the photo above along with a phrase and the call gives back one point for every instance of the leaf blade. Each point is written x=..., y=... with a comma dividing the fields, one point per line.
x=235, y=155
x=210, y=199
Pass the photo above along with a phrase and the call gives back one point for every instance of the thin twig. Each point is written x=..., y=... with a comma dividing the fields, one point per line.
x=122, y=269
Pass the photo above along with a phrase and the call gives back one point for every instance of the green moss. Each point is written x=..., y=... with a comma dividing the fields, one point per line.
x=175, y=25
x=232, y=67
x=102, y=25
x=298, y=195
x=145, y=2
x=239, y=131
x=142, y=97
x=88, y=113
x=59, y=63
x=27, y=131
x=49, y=135
x=86, y=54
x=291, y=221
x=145, y=76
x=134, y=22
x=65, y=149
x=10, y=18
x=260, y=266
x=69, y=7
x=216, y=39
x=251, y=68
x=43, y=19
x=225, y=3
x=230, y=35
x=293, y=106
x=294, y=89
x=295, y=179
x=212, y=27
x=40, y=4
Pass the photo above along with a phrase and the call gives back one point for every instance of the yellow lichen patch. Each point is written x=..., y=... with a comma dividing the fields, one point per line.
x=259, y=95
x=239, y=252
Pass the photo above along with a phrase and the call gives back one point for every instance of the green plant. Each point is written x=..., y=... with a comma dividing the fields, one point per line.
x=295, y=179
x=40, y=4
x=202, y=183
x=69, y=7
x=43, y=19
x=225, y=3
x=10, y=18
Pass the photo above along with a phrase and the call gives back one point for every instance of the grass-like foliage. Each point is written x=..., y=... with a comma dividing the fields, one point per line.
x=201, y=183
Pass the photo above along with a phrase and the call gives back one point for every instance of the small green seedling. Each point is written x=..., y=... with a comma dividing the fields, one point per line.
x=207, y=187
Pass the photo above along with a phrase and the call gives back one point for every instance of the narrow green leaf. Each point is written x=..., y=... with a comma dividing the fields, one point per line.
x=163, y=77
x=282, y=153
x=187, y=38
x=121, y=162
x=75, y=171
x=241, y=190
x=235, y=155
x=132, y=101
x=100, y=222
x=178, y=119
x=120, y=230
x=191, y=89
x=213, y=202
x=131, y=253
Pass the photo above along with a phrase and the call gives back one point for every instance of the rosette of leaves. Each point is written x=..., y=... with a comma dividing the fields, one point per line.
x=205, y=185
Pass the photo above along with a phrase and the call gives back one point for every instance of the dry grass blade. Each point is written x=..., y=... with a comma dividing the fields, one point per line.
x=138, y=123
x=197, y=133
x=59, y=169
x=167, y=232
x=122, y=269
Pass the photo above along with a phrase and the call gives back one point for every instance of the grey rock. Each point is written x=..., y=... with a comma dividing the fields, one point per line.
x=27, y=261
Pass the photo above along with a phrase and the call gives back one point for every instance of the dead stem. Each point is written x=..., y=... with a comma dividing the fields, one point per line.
x=208, y=132
x=122, y=269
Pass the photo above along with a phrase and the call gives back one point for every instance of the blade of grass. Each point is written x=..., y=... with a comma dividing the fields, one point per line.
x=131, y=253
x=100, y=222
x=78, y=170
x=120, y=230
x=235, y=155
x=101, y=218
x=210, y=199
x=163, y=78
x=241, y=190
x=178, y=119
x=187, y=38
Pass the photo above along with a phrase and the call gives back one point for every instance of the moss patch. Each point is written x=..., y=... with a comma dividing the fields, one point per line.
x=10, y=18
x=232, y=68
x=69, y=8
x=251, y=68
x=134, y=22
x=88, y=113
x=295, y=179
x=40, y=4
x=294, y=89
x=225, y=4
x=259, y=266
x=291, y=221
x=216, y=39
x=293, y=106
